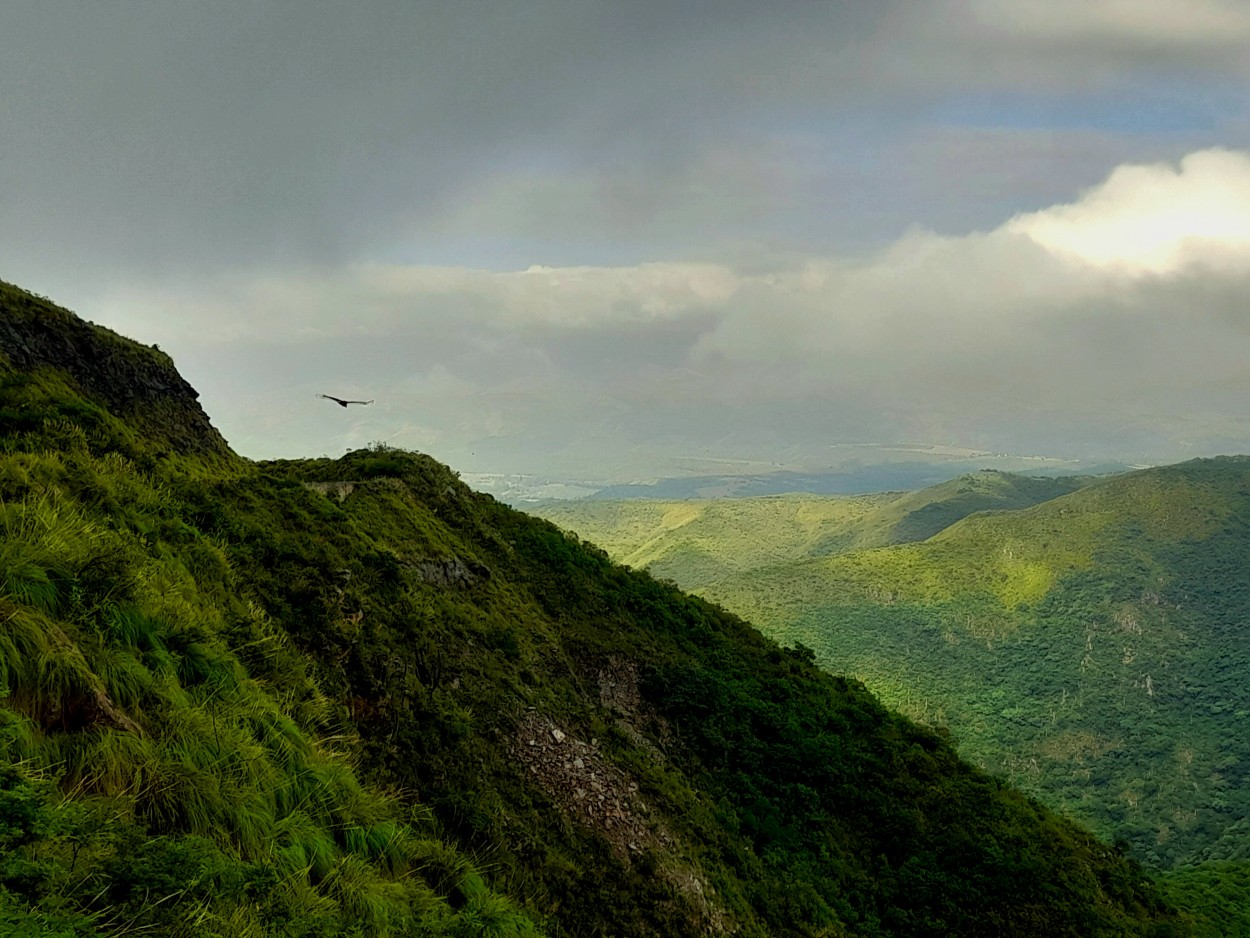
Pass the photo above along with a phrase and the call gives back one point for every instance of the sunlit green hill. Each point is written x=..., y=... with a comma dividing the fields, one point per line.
x=1092, y=647
x=917, y=516
x=353, y=697
x=702, y=541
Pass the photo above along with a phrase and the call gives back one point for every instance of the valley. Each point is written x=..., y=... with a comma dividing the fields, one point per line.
x=1082, y=637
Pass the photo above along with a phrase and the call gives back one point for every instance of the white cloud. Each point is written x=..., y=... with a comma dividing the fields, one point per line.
x=1155, y=219
x=1119, y=315
x=1056, y=298
x=1154, y=23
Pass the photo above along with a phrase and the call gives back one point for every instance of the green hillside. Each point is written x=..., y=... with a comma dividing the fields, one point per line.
x=699, y=542
x=1091, y=647
x=917, y=516
x=1215, y=895
x=702, y=541
x=353, y=697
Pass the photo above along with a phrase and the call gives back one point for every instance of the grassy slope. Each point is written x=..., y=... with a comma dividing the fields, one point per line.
x=1090, y=648
x=917, y=516
x=703, y=541
x=351, y=696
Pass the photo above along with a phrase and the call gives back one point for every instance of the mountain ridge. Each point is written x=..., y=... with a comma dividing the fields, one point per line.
x=301, y=697
x=137, y=382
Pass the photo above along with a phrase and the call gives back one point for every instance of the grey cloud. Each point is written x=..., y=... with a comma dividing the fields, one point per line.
x=989, y=338
x=1073, y=45
x=729, y=208
x=994, y=354
x=163, y=138
x=147, y=133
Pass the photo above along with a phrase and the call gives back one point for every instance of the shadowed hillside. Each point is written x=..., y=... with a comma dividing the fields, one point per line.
x=353, y=697
x=1090, y=647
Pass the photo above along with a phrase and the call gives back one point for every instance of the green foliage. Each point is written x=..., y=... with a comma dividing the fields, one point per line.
x=807, y=791
x=1087, y=647
x=352, y=697
x=1215, y=896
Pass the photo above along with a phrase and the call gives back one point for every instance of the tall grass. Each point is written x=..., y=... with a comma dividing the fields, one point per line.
x=103, y=620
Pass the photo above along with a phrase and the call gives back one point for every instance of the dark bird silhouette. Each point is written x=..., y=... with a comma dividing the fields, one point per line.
x=340, y=401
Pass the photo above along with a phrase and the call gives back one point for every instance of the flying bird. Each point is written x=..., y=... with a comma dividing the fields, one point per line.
x=340, y=401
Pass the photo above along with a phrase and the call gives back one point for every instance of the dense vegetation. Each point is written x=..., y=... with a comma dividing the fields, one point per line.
x=1091, y=648
x=698, y=543
x=352, y=697
x=1216, y=895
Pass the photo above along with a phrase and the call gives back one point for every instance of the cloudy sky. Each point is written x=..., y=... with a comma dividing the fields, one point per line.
x=606, y=240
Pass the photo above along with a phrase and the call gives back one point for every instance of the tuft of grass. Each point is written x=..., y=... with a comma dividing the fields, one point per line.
x=28, y=584
x=130, y=627
x=126, y=680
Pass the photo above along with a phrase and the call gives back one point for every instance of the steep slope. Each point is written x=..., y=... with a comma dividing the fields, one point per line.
x=1091, y=648
x=134, y=382
x=294, y=698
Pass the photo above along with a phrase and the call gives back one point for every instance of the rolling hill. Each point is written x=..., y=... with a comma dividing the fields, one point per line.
x=699, y=542
x=1086, y=640
x=353, y=697
x=917, y=516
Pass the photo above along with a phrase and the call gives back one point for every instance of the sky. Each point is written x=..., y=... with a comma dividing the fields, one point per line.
x=617, y=240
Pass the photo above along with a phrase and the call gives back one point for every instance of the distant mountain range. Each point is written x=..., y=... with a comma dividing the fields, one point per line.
x=856, y=470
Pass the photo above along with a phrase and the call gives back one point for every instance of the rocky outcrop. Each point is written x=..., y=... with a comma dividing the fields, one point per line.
x=137, y=382
x=589, y=788
x=451, y=572
x=338, y=490
x=617, y=676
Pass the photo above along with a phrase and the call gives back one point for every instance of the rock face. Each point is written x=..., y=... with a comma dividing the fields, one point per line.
x=452, y=572
x=137, y=382
x=587, y=786
x=596, y=793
